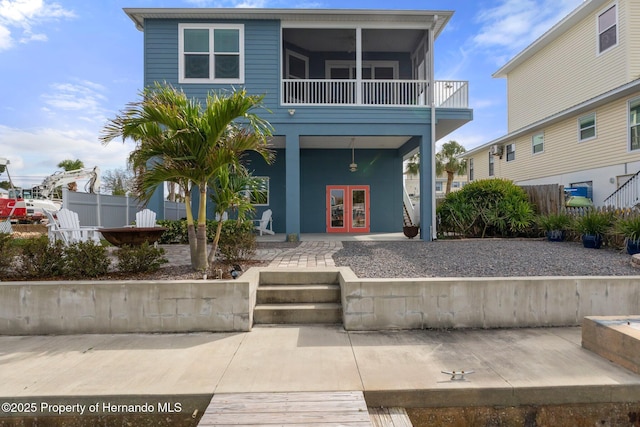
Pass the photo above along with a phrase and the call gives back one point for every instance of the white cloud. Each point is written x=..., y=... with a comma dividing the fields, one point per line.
x=35, y=153
x=20, y=16
x=82, y=96
x=513, y=24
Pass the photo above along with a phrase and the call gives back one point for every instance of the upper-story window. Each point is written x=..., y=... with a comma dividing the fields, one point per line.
x=211, y=53
x=537, y=143
x=608, y=29
x=634, y=124
x=470, y=169
x=491, y=163
x=511, y=152
x=587, y=127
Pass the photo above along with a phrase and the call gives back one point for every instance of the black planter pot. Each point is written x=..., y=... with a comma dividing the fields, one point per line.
x=592, y=241
x=411, y=231
x=633, y=247
x=556, y=235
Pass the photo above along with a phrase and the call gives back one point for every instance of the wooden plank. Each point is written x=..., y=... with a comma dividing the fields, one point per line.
x=389, y=417
x=347, y=409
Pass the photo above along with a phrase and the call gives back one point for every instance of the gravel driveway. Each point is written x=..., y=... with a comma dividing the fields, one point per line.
x=481, y=258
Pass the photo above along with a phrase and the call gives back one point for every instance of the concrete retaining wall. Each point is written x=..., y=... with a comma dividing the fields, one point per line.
x=370, y=304
x=85, y=307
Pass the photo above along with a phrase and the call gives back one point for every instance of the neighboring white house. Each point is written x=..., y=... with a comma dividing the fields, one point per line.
x=573, y=105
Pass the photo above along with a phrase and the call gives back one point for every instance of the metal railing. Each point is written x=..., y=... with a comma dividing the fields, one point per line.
x=447, y=94
x=627, y=195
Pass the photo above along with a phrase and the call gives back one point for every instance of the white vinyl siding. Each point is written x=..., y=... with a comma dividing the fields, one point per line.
x=211, y=53
x=537, y=143
x=564, y=154
x=567, y=71
x=587, y=127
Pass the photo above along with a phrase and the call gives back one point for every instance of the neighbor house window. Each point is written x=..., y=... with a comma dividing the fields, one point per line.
x=634, y=124
x=608, y=29
x=470, y=169
x=211, y=53
x=439, y=186
x=537, y=143
x=258, y=193
x=491, y=163
x=587, y=126
x=511, y=152
x=455, y=184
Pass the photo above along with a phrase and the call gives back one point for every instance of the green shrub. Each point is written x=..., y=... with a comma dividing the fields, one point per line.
x=237, y=241
x=629, y=228
x=40, y=259
x=176, y=231
x=139, y=259
x=594, y=222
x=85, y=259
x=550, y=222
x=489, y=207
x=7, y=253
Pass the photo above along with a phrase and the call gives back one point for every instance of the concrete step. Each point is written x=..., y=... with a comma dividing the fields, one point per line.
x=298, y=313
x=280, y=294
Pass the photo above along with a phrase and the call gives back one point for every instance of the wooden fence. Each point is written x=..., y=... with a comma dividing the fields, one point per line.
x=546, y=199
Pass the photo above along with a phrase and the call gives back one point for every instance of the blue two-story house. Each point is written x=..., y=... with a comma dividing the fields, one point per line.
x=351, y=94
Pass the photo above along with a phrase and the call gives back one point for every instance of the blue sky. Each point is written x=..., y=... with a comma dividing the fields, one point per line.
x=67, y=66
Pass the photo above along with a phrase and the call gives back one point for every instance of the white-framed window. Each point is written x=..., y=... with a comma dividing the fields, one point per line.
x=608, y=29
x=211, y=53
x=492, y=160
x=511, y=152
x=259, y=193
x=371, y=70
x=455, y=184
x=297, y=65
x=439, y=186
x=634, y=124
x=537, y=143
x=470, y=169
x=587, y=127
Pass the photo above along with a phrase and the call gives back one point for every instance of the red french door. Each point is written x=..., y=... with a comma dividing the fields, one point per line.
x=348, y=209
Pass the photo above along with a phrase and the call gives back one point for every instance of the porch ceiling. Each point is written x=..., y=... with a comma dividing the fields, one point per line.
x=344, y=142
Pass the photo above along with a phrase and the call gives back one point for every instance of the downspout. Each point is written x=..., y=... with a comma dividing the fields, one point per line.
x=433, y=129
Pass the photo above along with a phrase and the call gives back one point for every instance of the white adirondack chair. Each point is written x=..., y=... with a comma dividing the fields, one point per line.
x=69, y=229
x=146, y=218
x=264, y=225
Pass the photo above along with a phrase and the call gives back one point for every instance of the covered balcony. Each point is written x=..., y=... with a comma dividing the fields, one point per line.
x=363, y=67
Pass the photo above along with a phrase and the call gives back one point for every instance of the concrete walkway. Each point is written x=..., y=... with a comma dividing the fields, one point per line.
x=403, y=369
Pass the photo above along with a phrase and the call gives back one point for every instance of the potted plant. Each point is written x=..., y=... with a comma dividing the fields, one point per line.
x=411, y=231
x=555, y=226
x=592, y=226
x=630, y=229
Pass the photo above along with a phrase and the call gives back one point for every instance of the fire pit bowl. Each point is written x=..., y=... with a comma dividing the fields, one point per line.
x=134, y=236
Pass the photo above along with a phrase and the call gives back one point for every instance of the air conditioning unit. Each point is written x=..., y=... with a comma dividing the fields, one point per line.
x=495, y=150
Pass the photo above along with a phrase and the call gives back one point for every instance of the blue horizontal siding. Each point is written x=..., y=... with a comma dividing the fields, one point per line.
x=381, y=170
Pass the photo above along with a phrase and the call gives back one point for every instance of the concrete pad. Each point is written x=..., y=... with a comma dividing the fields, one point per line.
x=293, y=358
x=114, y=364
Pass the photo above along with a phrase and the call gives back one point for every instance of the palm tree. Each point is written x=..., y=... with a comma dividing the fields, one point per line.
x=231, y=191
x=179, y=140
x=447, y=161
x=71, y=165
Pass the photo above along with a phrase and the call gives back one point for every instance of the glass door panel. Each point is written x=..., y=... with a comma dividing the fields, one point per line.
x=347, y=209
x=336, y=209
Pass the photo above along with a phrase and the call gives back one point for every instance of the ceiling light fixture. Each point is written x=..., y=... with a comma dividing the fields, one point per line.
x=353, y=166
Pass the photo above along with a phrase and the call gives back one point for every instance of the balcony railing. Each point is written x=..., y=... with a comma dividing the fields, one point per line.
x=447, y=94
